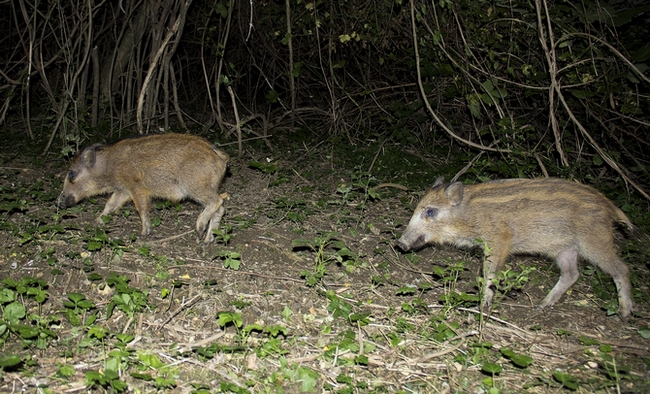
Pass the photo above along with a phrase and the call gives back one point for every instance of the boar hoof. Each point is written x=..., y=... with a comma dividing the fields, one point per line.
x=624, y=311
x=401, y=246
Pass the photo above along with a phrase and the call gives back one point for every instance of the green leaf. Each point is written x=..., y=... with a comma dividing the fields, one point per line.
x=309, y=379
x=597, y=160
x=94, y=277
x=296, y=69
x=9, y=360
x=253, y=327
x=588, y=341
x=566, y=380
x=125, y=338
x=491, y=368
x=224, y=318
x=144, y=376
x=286, y=39
x=14, y=312
x=276, y=330
x=144, y=251
x=76, y=297
x=644, y=332
x=26, y=332
x=65, y=370
x=94, y=245
x=286, y=313
x=151, y=361
x=361, y=360
x=521, y=360
x=6, y=296
x=406, y=290
x=73, y=318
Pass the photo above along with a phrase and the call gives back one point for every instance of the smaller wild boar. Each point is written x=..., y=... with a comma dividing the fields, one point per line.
x=166, y=166
x=554, y=217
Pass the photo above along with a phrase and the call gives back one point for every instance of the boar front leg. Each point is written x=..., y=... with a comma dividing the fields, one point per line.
x=492, y=263
x=567, y=261
x=114, y=203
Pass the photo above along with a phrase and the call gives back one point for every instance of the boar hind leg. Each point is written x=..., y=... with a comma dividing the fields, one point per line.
x=209, y=219
x=114, y=203
x=607, y=260
x=567, y=261
x=141, y=201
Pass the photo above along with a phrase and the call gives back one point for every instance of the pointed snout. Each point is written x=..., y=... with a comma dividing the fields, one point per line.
x=65, y=201
x=409, y=241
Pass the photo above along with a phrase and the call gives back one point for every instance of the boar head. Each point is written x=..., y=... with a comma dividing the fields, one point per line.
x=435, y=218
x=81, y=180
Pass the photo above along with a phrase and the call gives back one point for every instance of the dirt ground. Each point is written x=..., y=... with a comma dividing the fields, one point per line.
x=272, y=217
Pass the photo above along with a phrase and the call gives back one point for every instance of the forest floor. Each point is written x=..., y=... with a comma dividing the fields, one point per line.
x=303, y=291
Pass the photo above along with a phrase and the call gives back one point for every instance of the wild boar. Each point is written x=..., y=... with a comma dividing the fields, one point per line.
x=553, y=217
x=166, y=166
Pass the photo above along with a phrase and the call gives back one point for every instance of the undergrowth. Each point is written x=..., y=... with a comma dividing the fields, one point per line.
x=371, y=316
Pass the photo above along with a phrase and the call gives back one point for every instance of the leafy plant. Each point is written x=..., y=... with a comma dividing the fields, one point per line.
x=328, y=250
x=230, y=259
x=106, y=378
x=223, y=234
x=76, y=307
x=126, y=299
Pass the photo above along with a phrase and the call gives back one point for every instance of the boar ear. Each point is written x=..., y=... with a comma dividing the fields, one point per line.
x=454, y=193
x=438, y=182
x=88, y=155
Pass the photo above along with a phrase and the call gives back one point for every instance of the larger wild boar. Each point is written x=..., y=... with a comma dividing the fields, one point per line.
x=166, y=166
x=553, y=217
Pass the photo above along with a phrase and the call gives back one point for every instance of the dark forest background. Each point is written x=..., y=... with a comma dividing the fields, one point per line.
x=515, y=88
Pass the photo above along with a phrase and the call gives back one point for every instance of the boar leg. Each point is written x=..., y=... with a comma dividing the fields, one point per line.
x=141, y=201
x=209, y=219
x=603, y=256
x=619, y=271
x=567, y=261
x=114, y=203
x=491, y=265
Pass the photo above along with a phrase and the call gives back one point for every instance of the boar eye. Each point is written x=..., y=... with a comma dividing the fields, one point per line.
x=71, y=175
x=430, y=212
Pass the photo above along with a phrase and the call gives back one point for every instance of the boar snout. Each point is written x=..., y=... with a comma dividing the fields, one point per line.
x=401, y=245
x=406, y=243
x=65, y=201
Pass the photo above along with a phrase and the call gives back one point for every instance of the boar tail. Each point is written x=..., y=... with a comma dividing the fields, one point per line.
x=623, y=221
x=223, y=155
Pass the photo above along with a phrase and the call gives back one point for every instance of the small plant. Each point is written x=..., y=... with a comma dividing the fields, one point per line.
x=491, y=369
x=348, y=342
x=267, y=168
x=126, y=299
x=230, y=259
x=295, y=210
x=30, y=329
x=321, y=245
x=98, y=239
x=106, y=378
x=520, y=360
x=223, y=234
x=76, y=308
x=510, y=280
x=567, y=381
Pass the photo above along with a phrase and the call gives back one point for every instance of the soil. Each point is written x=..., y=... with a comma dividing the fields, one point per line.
x=271, y=218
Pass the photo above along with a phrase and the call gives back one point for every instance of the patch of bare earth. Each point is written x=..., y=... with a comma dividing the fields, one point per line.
x=404, y=340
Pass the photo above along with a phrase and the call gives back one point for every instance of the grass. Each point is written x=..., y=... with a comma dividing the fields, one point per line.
x=301, y=292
